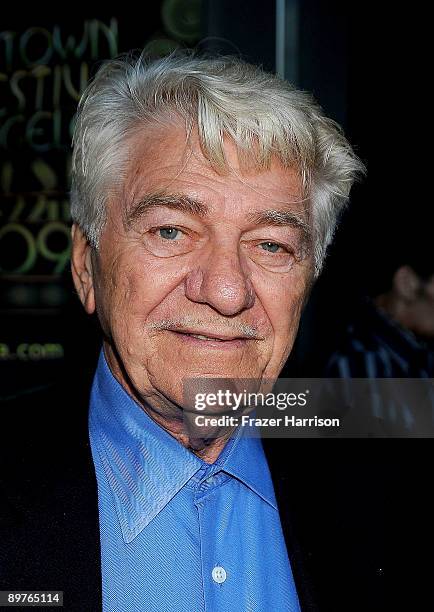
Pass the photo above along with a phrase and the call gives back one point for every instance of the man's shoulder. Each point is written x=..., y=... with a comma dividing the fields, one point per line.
x=48, y=515
x=358, y=508
x=44, y=434
x=51, y=404
x=45, y=443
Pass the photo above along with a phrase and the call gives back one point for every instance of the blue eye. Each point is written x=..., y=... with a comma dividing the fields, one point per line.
x=168, y=233
x=270, y=246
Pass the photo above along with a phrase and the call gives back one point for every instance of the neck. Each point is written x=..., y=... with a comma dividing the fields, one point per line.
x=169, y=416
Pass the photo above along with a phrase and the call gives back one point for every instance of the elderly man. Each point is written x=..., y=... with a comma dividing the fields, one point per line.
x=204, y=195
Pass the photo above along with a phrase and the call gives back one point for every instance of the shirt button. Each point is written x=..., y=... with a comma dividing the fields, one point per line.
x=219, y=574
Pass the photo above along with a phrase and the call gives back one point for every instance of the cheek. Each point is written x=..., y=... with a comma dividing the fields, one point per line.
x=282, y=298
x=285, y=317
x=283, y=302
x=134, y=286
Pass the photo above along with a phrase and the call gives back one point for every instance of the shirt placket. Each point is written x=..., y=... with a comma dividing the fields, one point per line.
x=214, y=569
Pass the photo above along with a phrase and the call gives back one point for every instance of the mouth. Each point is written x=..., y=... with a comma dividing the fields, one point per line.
x=210, y=339
x=200, y=337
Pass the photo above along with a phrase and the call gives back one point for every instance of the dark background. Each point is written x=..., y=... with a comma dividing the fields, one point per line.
x=365, y=64
x=360, y=60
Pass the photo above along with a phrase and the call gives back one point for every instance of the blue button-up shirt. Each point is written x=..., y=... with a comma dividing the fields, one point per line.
x=178, y=534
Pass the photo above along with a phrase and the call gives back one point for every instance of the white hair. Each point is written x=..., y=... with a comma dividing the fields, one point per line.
x=264, y=115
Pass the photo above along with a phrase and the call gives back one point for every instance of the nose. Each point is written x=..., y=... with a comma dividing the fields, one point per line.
x=221, y=280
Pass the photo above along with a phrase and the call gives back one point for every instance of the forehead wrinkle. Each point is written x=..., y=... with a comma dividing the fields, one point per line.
x=180, y=202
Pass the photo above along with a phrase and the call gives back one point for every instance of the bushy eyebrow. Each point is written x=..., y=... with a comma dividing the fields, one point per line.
x=176, y=201
x=184, y=203
x=280, y=217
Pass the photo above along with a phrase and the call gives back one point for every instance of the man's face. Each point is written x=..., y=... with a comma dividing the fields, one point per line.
x=193, y=278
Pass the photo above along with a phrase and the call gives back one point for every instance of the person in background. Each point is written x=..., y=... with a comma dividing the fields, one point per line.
x=390, y=335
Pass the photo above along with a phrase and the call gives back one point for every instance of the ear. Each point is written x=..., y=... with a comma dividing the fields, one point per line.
x=406, y=283
x=82, y=269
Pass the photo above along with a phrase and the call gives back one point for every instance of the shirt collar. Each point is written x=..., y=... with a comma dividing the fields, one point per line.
x=145, y=466
x=244, y=459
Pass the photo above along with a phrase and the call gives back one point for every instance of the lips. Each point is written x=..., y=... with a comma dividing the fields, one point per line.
x=208, y=336
x=200, y=337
